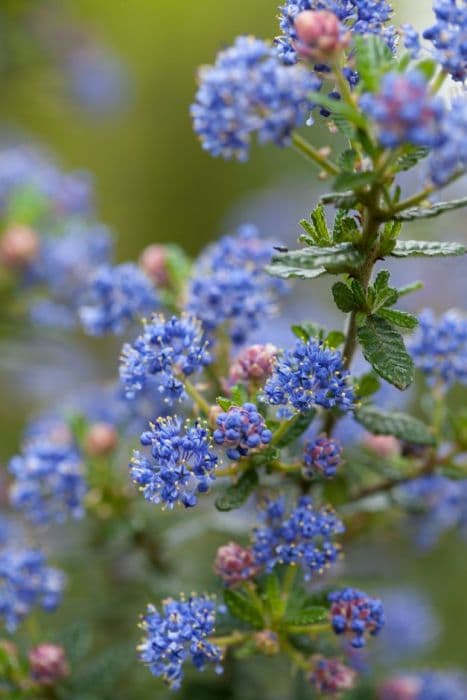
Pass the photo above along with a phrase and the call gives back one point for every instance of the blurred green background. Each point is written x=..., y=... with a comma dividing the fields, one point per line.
x=155, y=184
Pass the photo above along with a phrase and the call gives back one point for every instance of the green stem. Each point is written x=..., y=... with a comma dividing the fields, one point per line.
x=438, y=82
x=299, y=660
x=199, y=400
x=310, y=152
x=309, y=629
x=230, y=639
x=289, y=579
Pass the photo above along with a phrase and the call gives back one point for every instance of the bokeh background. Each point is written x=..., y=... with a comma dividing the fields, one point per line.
x=129, y=126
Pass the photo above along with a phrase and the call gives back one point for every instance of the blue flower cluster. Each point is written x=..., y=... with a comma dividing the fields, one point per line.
x=448, y=36
x=25, y=582
x=439, y=504
x=356, y=615
x=428, y=685
x=322, y=457
x=49, y=484
x=181, y=463
x=310, y=375
x=180, y=632
x=240, y=430
x=439, y=347
x=116, y=296
x=249, y=91
x=450, y=157
x=167, y=351
x=304, y=537
x=404, y=111
x=359, y=16
x=28, y=170
x=229, y=286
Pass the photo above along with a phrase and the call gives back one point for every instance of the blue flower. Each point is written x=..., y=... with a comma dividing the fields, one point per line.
x=167, y=351
x=448, y=36
x=322, y=457
x=411, y=39
x=404, y=111
x=26, y=582
x=356, y=615
x=177, y=634
x=360, y=16
x=249, y=91
x=439, y=347
x=304, y=537
x=310, y=375
x=180, y=463
x=438, y=503
x=49, y=484
x=229, y=286
x=241, y=429
x=117, y=295
x=428, y=685
x=449, y=158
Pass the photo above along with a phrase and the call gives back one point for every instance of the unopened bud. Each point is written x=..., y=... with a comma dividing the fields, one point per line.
x=234, y=563
x=330, y=676
x=267, y=642
x=254, y=364
x=101, y=439
x=19, y=246
x=319, y=34
x=48, y=664
x=153, y=261
x=402, y=688
x=384, y=446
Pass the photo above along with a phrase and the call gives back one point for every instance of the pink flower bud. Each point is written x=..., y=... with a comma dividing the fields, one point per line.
x=254, y=364
x=319, y=34
x=330, y=676
x=402, y=688
x=48, y=664
x=19, y=246
x=267, y=642
x=384, y=446
x=153, y=261
x=101, y=439
x=234, y=563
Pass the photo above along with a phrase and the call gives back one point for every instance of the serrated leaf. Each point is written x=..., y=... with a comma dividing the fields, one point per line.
x=344, y=126
x=343, y=200
x=307, y=330
x=359, y=294
x=346, y=160
x=345, y=229
x=399, y=318
x=264, y=457
x=373, y=56
x=335, y=339
x=344, y=297
x=367, y=385
x=273, y=594
x=242, y=608
x=406, y=249
x=236, y=494
x=428, y=67
x=343, y=256
x=318, y=218
x=431, y=211
x=295, y=428
x=285, y=272
x=409, y=288
x=239, y=394
x=224, y=403
x=310, y=615
x=383, y=347
x=412, y=156
x=353, y=181
x=400, y=425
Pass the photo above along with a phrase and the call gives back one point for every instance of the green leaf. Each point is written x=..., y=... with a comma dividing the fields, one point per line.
x=178, y=266
x=272, y=591
x=345, y=228
x=295, y=428
x=335, y=339
x=308, y=330
x=346, y=160
x=411, y=157
x=359, y=294
x=406, y=249
x=239, y=394
x=338, y=107
x=224, y=403
x=383, y=294
x=400, y=425
x=242, y=608
x=317, y=232
x=344, y=298
x=383, y=347
x=236, y=494
x=399, y=318
x=373, y=57
x=428, y=67
x=353, y=181
x=343, y=255
x=343, y=200
x=285, y=272
x=367, y=385
x=309, y=615
x=431, y=211
x=409, y=288
x=26, y=206
x=344, y=126
x=264, y=457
